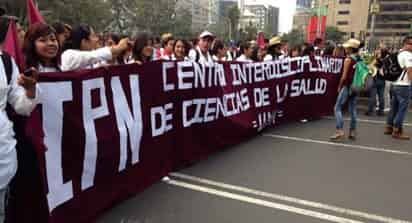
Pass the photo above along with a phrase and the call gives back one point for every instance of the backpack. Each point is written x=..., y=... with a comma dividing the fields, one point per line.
x=8, y=66
x=392, y=70
x=361, y=79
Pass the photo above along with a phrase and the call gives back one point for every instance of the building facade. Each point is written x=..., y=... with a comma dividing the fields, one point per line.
x=349, y=16
x=393, y=22
x=200, y=13
x=265, y=17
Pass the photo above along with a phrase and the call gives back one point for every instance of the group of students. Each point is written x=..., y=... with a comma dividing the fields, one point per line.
x=59, y=47
x=400, y=89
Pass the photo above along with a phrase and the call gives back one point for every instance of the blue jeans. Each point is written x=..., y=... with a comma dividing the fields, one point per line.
x=378, y=88
x=400, y=96
x=340, y=101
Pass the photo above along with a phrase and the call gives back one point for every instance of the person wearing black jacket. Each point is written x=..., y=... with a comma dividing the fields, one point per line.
x=378, y=87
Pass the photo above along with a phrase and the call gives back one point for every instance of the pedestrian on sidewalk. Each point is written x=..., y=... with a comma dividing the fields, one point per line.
x=345, y=93
x=400, y=93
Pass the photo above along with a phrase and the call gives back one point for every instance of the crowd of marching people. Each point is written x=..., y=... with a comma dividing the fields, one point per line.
x=61, y=47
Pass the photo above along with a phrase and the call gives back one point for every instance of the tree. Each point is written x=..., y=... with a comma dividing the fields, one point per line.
x=334, y=34
x=294, y=37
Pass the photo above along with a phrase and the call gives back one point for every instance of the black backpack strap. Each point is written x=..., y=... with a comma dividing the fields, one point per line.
x=197, y=56
x=8, y=67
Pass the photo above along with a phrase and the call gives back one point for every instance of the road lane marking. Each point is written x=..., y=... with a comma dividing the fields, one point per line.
x=293, y=200
x=367, y=121
x=348, y=146
x=260, y=202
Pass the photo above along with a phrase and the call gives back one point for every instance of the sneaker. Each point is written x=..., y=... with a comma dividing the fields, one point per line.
x=339, y=135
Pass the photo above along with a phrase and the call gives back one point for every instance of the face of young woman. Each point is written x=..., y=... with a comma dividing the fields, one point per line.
x=47, y=47
x=180, y=50
x=249, y=52
x=222, y=52
x=148, y=49
x=91, y=43
x=169, y=45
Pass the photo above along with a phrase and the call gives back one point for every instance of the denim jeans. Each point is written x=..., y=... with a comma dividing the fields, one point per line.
x=378, y=88
x=340, y=102
x=400, y=96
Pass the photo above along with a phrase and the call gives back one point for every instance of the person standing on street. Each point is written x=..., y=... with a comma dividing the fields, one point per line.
x=345, y=93
x=400, y=93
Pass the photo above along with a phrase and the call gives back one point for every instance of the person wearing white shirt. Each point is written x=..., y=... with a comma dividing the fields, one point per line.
x=401, y=91
x=20, y=92
x=201, y=53
x=246, y=49
x=81, y=50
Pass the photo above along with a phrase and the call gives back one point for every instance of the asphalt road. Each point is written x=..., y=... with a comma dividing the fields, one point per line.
x=291, y=173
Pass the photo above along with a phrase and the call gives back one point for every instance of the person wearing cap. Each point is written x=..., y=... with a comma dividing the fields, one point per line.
x=352, y=47
x=201, y=52
x=401, y=93
x=274, y=49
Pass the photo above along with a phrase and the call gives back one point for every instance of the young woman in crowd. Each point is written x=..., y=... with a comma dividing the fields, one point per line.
x=295, y=51
x=308, y=50
x=219, y=50
x=62, y=32
x=81, y=50
x=142, y=49
x=345, y=93
x=168, y=42
x=180, y=50
x=41, y=48
x=246, y=50
x=112, y=40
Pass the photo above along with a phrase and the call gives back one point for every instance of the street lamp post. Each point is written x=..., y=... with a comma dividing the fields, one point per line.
x=373, y=10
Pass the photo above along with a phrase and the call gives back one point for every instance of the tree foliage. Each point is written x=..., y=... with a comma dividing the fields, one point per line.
x=334, y=34
x=294, y=37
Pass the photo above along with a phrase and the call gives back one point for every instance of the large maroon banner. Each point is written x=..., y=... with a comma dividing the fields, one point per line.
x=103, y=135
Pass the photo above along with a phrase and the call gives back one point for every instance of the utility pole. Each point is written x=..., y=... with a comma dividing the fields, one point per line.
x=319, y=22
x=373, y=10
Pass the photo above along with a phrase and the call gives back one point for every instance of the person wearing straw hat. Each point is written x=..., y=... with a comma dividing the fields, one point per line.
x=352, y=48
x=274, y=50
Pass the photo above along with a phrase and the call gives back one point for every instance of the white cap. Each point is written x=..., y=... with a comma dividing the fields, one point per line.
x=206, y=34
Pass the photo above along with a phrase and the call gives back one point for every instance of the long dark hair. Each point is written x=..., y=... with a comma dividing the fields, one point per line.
x=140, y=43
x=186, y=44
x=36, y=31
x=77, y=35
